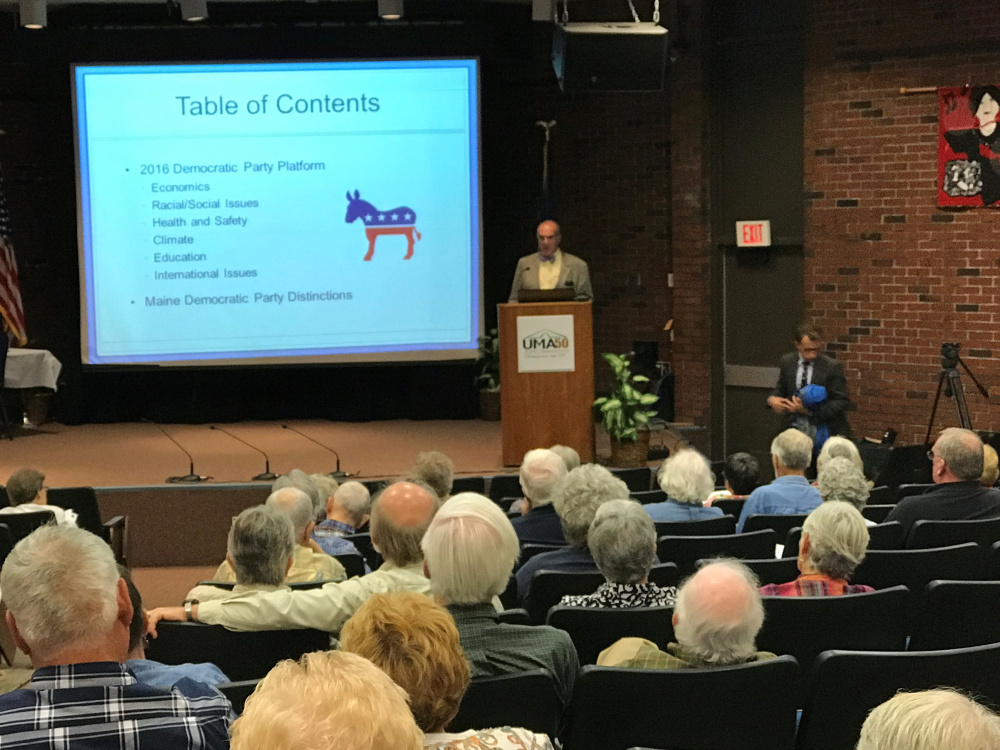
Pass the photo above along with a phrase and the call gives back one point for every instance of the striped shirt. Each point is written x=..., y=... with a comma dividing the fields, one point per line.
x=814, y=585
x=101, y=705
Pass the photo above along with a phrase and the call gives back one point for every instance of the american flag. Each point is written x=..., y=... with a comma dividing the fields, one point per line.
x=10, y=288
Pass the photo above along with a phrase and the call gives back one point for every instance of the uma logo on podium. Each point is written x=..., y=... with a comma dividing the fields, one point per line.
x=545, y=343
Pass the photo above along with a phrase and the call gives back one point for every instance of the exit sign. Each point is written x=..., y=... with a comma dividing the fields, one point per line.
x=753, y=233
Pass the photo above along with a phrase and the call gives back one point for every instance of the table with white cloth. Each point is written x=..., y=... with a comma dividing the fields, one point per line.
x=31, y=368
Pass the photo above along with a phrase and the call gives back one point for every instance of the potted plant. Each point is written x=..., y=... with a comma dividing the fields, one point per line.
x=624, y=414
x=488, y=376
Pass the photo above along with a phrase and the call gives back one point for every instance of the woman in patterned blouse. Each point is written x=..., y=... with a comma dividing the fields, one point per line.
x=622, y=539
x=833, y=543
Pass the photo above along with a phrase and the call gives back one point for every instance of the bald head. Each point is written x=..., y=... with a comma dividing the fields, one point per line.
x=718, y=613
x=549, y=238
x=400, y=516
x=297, y=506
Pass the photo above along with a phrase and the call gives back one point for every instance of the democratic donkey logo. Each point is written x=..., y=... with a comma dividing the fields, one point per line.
x=399, y=220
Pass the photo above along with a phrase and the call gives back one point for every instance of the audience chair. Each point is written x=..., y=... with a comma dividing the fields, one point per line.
x=363, y=543
x=516, y=616
x=637, y=480
x=593, y=629
x=469, y=484
x=506, y=503
x=877, y=513
x=83, y=501
x=22, y=524
x=353, y=564
x=771, y=570
x=238, y=692
x=781, y=523
x=926, y=534
x=956, y=614
x=528, y=551
x=881, y=536
x=805, y=626
x=703, y=527
x=881, y=495
x=375, y=486
x=4, y=347
x=905, y=464
x=992, y=567
x=293, y=585
x=915, y=568
x=731, y=506
x=4, y=500
x=504, y=485
x=649, y=496
x=685, y=551
x=909, y=490
x=6, y=542
x=522, y=699
x=846, y=685
x=743, y=707
x=242, y=656
x=509, y=598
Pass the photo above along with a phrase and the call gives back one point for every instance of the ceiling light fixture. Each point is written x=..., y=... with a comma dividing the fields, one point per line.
x=194, y=10
x=390, y=10
x=34, y=14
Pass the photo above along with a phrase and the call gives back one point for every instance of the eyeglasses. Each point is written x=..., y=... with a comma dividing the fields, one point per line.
x=931, y=456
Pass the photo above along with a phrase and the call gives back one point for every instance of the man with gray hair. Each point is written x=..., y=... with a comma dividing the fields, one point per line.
x=436, y=470
x=300, y=480
x=716, y=620
x=347, y=509
x=576, y=500
x=69, y=611
x=790, y=493
x=309, y=565
x=956, y=465
x=941, y=719
x=27, y=493
x=469, y=551
x=541, y=471
x=260, y=550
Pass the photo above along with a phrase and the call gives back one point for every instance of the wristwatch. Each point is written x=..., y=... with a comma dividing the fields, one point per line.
x=188, y=603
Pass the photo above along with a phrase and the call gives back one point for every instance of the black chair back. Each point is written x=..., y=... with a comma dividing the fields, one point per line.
x=524, y=699
x=509, y=598
x=752, y=707
x=649, y=496
x=528, y=551
x=846, y=685
x=780, y=522
x=956, y=614
x=353, y=564
x=516, y=616
x=83, y=501
x=505, y=485
x=703, y=527
x=805, y=626
x=593, y=629
x=686, y=551
x=469, y=484
x=22, y=524
x=242, y=656
x=915, y=568
x=881, y=536
x=238, y=692
x=6, y=542
x=771, y=570
x=664, y=575
x=549, y=586
x=993, y=562
x=730, y=506
x=505, y=503
x=880, y=495
x=363, y=543
x=294, y=585
x=637, y=480
x=909, y=490
x=926, y=534
x=4, y=500
x=877, y=513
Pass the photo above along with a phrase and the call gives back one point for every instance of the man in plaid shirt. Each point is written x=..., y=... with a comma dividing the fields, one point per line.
x=69, y=611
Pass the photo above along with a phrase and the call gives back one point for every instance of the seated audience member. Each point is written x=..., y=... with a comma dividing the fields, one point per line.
x=839, y=447
x=687, y=479
x=742, y=475
x=833, y=543
x=991, y=469
x=309, y=565
x=576, y=500
x=435, y=469
x=469, y=551
x=956, y=466
x=28, y=494
x=569, y=456
x=415, y=642
x=940, y=719
x=400, y=516
x=790, y=493
x=347, y=509
x=327, y=700
x=541, y=472
x=155, y=673
x=70, y=612
x=716, y=620
x=841, y=480
x=301, y=481
x=622, y=540
x=260, y=550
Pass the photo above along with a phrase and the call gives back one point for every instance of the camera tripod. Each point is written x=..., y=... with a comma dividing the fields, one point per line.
x=950, y=380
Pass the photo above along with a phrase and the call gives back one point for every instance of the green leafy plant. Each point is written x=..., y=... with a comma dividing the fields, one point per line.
x=623, y=413
x=488, y=362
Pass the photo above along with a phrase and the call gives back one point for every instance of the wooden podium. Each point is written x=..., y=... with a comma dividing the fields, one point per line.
x=539, y=409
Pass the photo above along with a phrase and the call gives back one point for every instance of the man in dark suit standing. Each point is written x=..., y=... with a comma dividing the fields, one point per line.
x=809, y=366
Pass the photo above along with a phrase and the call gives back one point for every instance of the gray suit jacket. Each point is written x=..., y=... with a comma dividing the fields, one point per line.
x=574, y=273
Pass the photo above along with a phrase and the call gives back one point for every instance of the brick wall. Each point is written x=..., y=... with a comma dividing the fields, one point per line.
x=889, y=276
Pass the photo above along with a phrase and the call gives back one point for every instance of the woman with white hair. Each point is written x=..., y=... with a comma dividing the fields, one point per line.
x=834, y=542
x=622, y=539
x=687, y=479
x=839, y=447
x=841, y=480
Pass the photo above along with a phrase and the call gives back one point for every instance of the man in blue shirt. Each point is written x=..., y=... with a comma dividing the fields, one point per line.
x=790, y=493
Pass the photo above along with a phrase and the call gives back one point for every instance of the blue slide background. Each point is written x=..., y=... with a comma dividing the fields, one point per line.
x=420, y=149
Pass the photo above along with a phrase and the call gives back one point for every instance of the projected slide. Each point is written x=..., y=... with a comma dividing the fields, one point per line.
x=270, y=212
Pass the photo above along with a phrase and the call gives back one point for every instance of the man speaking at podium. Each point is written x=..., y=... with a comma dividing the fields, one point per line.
x=551, y=268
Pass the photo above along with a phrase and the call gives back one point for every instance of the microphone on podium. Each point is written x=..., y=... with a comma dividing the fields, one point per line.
x=190, y=477
x=265, y=476
x=337, y=475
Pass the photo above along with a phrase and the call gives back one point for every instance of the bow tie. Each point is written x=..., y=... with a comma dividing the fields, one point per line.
x=550, y=259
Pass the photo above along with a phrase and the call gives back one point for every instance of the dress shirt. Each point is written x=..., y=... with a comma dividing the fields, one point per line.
x=64, y=516
x=165, y=676
x=624, y=596
x=671, y=510
x=540, y=525
x=788, y=495
x=329, y=535
x=549, y=270
x=815, y=584
x=638, y=653
x=570, y=559
x=495, y=648
x=949, y=501
x=308, y=565
x=805, y=369
x=501, y=738
x=326, y=608
x=102, y=705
